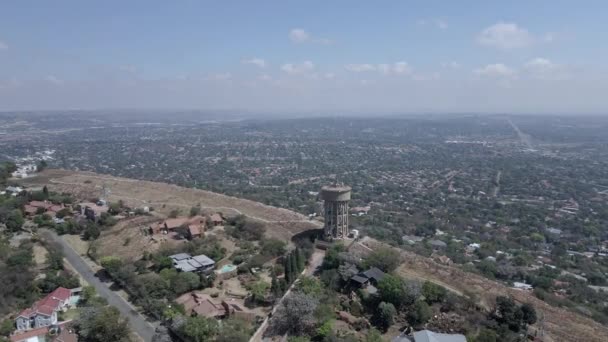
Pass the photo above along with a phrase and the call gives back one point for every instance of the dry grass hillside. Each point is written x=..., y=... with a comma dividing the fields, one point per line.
x=559, y=324
x=280, y=223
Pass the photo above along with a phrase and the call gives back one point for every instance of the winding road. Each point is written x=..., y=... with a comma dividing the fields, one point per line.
x=138, y=323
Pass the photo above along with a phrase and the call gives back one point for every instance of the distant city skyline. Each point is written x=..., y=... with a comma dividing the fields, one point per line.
x=286, y=56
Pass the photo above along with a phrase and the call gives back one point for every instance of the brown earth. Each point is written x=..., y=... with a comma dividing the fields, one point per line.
x=559, y=324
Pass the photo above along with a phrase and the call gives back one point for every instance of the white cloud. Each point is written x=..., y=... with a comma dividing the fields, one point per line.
x=360, y=67
x=264, y=77
x=438, y=23
x=54, y=80
x=398, y=68
x=226, y=76
x=298, y=68
x=299, y=36
x=450, y=65
x=505, y=36
x=441, y=24
x=3, y=46
x=402, y=68
x=260, y=63
x=329, y=76
x=495, y=70
x=543, y=68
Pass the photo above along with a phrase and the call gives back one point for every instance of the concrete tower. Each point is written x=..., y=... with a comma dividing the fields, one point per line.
x=335, y=207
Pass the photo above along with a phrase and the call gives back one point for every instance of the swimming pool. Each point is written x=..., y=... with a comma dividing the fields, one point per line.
x=227, y=268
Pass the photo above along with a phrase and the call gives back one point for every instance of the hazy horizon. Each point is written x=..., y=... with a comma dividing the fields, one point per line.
x=416, y=57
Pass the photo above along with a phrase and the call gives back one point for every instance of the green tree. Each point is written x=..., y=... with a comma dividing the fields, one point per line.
x=184, y=282
x=294, y=266
x=288, y=270
x=486, y=335
x=300, y=259
x=373, y=335
x=310, y=286
x=102, y=324
x=392, y=289
x=111, y=264
x=195, y=211
x=258, y=291
x=273, y=247
x=385, y=315
x=15, y=220
x=433, y=293
x=7, y=327
x=385, y=258
x=528, y=313
x=200, y=329
x=45, y=191
x=420, y=313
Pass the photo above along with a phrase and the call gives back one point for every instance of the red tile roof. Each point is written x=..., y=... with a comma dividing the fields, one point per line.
x=48, y=304
x=24, y=336
x=194, y=229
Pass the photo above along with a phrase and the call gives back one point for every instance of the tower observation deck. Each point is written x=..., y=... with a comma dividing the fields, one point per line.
x=335, y=207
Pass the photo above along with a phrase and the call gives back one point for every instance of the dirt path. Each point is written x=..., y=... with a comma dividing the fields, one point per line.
x=496, y=184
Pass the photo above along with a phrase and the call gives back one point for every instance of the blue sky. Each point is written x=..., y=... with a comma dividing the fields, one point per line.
x=408, y=56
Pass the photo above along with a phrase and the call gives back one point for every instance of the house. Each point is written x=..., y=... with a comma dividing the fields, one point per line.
x=522, y=286
x=92, y=211
x=44, y=312
x=201, y=304
x=184, y=262
x=411, y=239
x=429, y=336
x=368, y=280
x=36, y=207
x=438, y=244
x=216, y=219
x=62, y=332
x=194, y=226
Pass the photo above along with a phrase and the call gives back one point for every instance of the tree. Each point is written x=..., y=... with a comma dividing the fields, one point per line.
x=529, y=313
x=310, y=286
x=274, y=286
x=420, y=313
x=486, y=335
x=294, y=266
x=7, y=327
x=111, y=264
x=41, y=165
x=373, y=335
x=91, y=232
x=200, y=329
x=102, y=324
x=508, y=313
x=332, y=257
x=385, y=315
x=295, y=315
x=433, y=293
x=288, y=270
x=174, y=213
x=235, y=330
x=258, y=291
x=300, y=259
x=385, y=258
x=15, y=220
x=184, y=282
x=195, y=211
x=45, y=191
x=273, y=247
x=392, y=289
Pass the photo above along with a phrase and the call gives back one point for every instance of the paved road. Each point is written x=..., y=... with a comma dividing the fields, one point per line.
x=138, y=323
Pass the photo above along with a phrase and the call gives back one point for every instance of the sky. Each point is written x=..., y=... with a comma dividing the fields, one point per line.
x=306, y=56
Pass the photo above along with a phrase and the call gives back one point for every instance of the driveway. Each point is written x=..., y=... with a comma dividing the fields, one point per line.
x=138, y=323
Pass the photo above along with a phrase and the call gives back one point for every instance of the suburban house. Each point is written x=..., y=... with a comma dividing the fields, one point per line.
x=92, y=211
x=184, y=262
x=193, y=226
x=429, y=336
x=368, y=280
x=44, y=312
x=62, y=332
x=216, y=219
x=36, y=207
x=200, y=304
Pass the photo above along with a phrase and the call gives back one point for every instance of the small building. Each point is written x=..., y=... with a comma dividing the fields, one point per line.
x=522, y=286
x=429, y=336
x=201, y=304
x=193, y=226
x=216, y=219
x=411, y=239
x=44, y=312
x=438, y=244
x=184, y=262
x=92, y=211
x=61, y=332
x=368, y=280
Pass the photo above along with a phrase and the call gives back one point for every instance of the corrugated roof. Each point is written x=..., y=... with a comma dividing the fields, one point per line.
x=429, y=336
